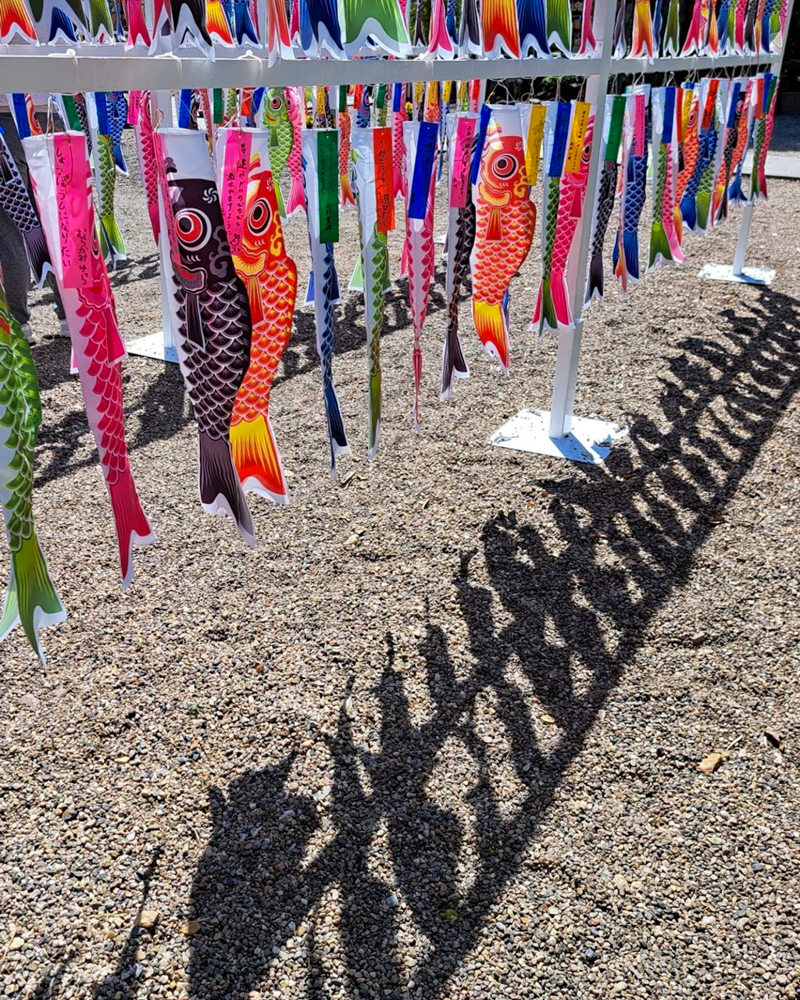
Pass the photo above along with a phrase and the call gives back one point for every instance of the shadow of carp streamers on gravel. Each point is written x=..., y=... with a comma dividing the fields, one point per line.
x=569, y=619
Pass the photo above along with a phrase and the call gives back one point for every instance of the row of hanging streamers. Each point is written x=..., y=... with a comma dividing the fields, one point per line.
x=649, y=28
x=219, y=187
x=355, y=28
x=698, y=134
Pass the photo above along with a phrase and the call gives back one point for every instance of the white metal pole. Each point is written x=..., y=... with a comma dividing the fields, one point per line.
x=569, y=343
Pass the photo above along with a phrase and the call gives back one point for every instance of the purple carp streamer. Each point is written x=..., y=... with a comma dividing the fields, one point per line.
x=212, y=315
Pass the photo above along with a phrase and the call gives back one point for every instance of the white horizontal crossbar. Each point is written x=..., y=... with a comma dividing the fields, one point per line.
x=111, y=68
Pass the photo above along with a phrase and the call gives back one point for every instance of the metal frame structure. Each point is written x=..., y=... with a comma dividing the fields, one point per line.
x=111, y=67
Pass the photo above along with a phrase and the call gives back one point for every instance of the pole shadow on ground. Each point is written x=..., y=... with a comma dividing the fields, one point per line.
x=574, y=614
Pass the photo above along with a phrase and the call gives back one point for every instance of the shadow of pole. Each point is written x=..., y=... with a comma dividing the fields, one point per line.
x=569, y=614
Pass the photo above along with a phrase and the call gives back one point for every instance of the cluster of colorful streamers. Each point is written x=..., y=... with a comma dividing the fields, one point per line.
x=696, y=198
x=111, y=241
x=59, y=172
x=764, y=116
x=212, y=315
x=31, y=599
x=255, y=234
x=295, y=107
x=280, y=126
x=572, y=135
x=733, y=145
x=725, y=28
x=215, y=206
x=353, y=29
x=700, y=132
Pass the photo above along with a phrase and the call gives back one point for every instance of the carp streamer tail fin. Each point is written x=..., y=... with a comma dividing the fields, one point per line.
x=131, y=522
x=31, y=599
x=257, y=459
x=491, y=327
x=220, y=491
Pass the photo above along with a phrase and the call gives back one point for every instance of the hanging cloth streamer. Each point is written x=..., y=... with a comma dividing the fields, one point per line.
x=423, y=169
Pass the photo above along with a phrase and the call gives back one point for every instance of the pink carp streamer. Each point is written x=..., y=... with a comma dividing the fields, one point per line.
x=59, y=171
x=295, y=104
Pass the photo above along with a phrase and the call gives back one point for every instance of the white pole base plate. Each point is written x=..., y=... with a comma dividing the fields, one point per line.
x=152, y=346
x=589, y=441
x=749, y=275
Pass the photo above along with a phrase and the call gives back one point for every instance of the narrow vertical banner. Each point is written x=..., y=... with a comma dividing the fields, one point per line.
x=218, y=111
x=236, y=168
x=75, y=241
x=460, y=161
x=533, y=145
x=483, y=125
x=423, y=168
x=560, y=139
x=639, y=112
x=580, y=118
x=384, y=197
x=328, y=184
x=185, y=110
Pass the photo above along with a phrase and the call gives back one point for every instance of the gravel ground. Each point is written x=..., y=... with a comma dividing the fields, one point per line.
x=438, y=736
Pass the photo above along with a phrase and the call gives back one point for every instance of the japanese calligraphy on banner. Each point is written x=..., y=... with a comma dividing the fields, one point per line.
x=615, y=128
x=76, y=245
x=237, y=171
x=640, y=127
x=384, y=196
x=328, y=184
x=580, y=118
x=533, y=146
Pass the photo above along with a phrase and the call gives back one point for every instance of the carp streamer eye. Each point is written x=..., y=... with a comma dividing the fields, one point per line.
x=194, y=228
x=275, y=103
x=504, y=166
x=260, y=217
